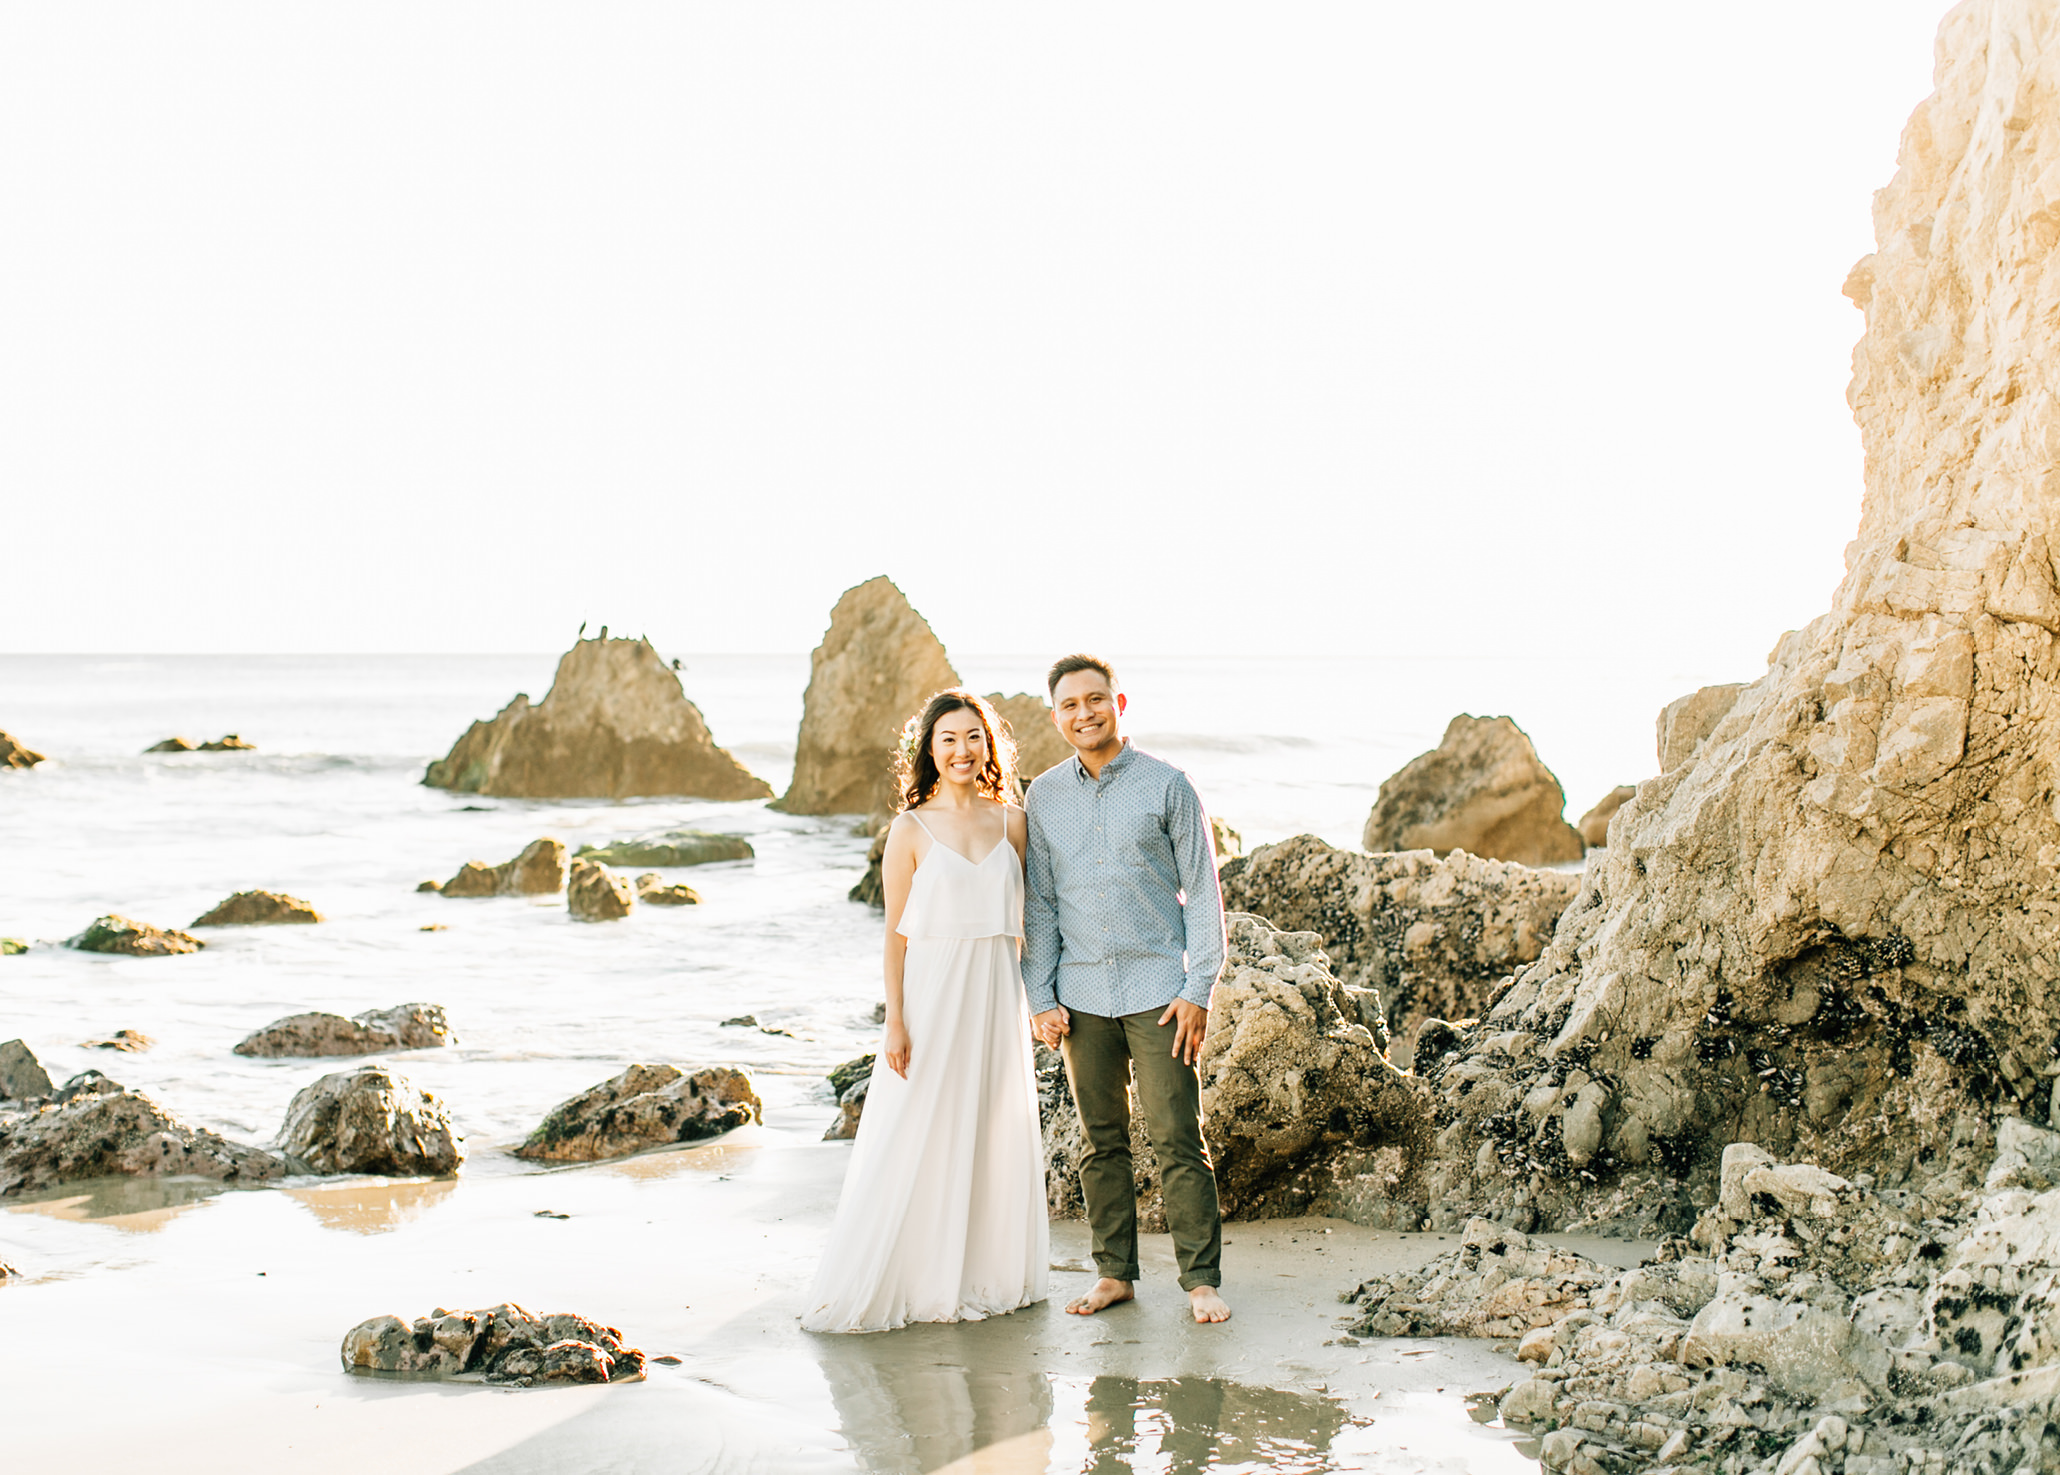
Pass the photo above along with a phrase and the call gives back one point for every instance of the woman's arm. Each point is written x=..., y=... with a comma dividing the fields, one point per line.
x=897, y=872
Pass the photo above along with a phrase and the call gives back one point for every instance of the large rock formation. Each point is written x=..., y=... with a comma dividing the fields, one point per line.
x=95, y=1129
x=1303, y=1113
x=115, y=934
x=257, y=909
x=1434, y=938
x=370, y=1120
x=16, y=755
x=403, y=1027
x=1831, y=930
x=614, y=725
x=505, y=1343
x=645, y=1106
x=673, y=848
x=539, y=871
x=877, y=665
x=1038, y=744
x=1481, y=790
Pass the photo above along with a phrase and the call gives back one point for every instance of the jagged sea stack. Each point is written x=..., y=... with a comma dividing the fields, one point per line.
x=614, y=725
x=1830, y=930
x=878, y=664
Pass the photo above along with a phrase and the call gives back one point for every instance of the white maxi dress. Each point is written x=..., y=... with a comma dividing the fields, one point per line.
x=943, y=1213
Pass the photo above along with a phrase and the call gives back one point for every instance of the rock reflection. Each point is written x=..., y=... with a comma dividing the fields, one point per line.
x=1187, y=1426
x=374, y=1207
x=140, y=1205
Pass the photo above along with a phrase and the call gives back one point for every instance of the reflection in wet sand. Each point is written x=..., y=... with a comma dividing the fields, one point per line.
x=905, y=1417
x=139, y=1205
x=375, y=1205
x=1187, y=1426
x=908, y=1416
x=721, y=1156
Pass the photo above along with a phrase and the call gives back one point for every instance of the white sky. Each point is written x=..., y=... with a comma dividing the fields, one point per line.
x=1382, y=328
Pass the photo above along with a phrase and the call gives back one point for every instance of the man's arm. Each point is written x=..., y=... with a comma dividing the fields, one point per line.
x=1040, y=922
x=1194, y=856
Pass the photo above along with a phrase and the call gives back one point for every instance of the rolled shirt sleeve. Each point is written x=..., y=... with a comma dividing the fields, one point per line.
x=1194, y=853
x=1040, y=920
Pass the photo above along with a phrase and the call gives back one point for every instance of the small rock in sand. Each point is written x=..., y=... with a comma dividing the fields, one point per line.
x=430, y=885
x=403, y=1027
x=14, y=755
x=228, y=743
x=742, y=1021
x=504, y=1343
x=257, y=909
x=370, y=1120
x=652, y=890
x=172, y=745
x=22, y=1076
x=597, y=894
x=114, y=934
x=645, y=1106
x=130, y=1041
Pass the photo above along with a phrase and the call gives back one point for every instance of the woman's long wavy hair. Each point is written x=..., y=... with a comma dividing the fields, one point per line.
x=915, y=765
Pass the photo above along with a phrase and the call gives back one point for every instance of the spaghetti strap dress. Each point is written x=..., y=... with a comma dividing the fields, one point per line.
x=943, y=1213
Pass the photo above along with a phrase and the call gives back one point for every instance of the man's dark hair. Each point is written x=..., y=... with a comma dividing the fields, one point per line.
x=1065, y=666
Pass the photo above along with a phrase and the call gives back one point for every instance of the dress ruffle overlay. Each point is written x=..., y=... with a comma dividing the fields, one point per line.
x=943, y=1213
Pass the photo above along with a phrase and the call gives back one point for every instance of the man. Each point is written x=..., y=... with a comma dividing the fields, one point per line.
x=1123, y=939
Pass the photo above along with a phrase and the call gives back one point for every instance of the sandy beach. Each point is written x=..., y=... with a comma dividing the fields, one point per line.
x=182, y=1330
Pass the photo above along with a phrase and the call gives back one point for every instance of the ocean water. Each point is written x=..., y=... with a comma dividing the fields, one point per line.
x=330, y=808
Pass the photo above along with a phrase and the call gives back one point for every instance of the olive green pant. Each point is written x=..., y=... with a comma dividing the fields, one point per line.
x=1099, y=1055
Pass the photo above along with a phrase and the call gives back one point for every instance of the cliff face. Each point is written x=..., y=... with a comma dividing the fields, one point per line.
x=615, y=724
x=1835, y=929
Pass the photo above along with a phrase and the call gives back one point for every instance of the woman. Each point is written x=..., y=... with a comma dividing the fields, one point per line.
x=943, y=1215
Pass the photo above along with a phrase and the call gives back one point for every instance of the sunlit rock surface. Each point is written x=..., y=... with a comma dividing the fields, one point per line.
x=1483, y=790
x=614, y=725
x=1830, y=931
x=1433, y=938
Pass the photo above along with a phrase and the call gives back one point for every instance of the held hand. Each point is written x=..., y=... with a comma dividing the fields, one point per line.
x=1052, y=1025
x=1190, y=1023
x=896, y=1049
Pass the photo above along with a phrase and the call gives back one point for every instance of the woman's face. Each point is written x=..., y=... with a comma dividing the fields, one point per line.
x=959, y=745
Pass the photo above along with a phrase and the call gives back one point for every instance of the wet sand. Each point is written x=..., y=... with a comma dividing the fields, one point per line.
x=170, y=1328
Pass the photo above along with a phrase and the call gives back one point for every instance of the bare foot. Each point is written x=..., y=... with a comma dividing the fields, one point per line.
x=1208, y=1306
x=1105, y=1294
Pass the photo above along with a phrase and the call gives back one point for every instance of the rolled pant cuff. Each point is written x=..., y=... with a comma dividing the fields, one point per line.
x=1207, y=1278
x=1130, y=1273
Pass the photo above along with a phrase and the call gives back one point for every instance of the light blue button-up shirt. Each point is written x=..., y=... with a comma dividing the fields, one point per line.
x=1122, y=911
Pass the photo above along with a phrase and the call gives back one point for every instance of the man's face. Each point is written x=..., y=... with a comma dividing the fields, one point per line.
x=1088, y=714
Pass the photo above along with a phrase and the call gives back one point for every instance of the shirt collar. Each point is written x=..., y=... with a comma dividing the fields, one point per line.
x=1121, y=758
